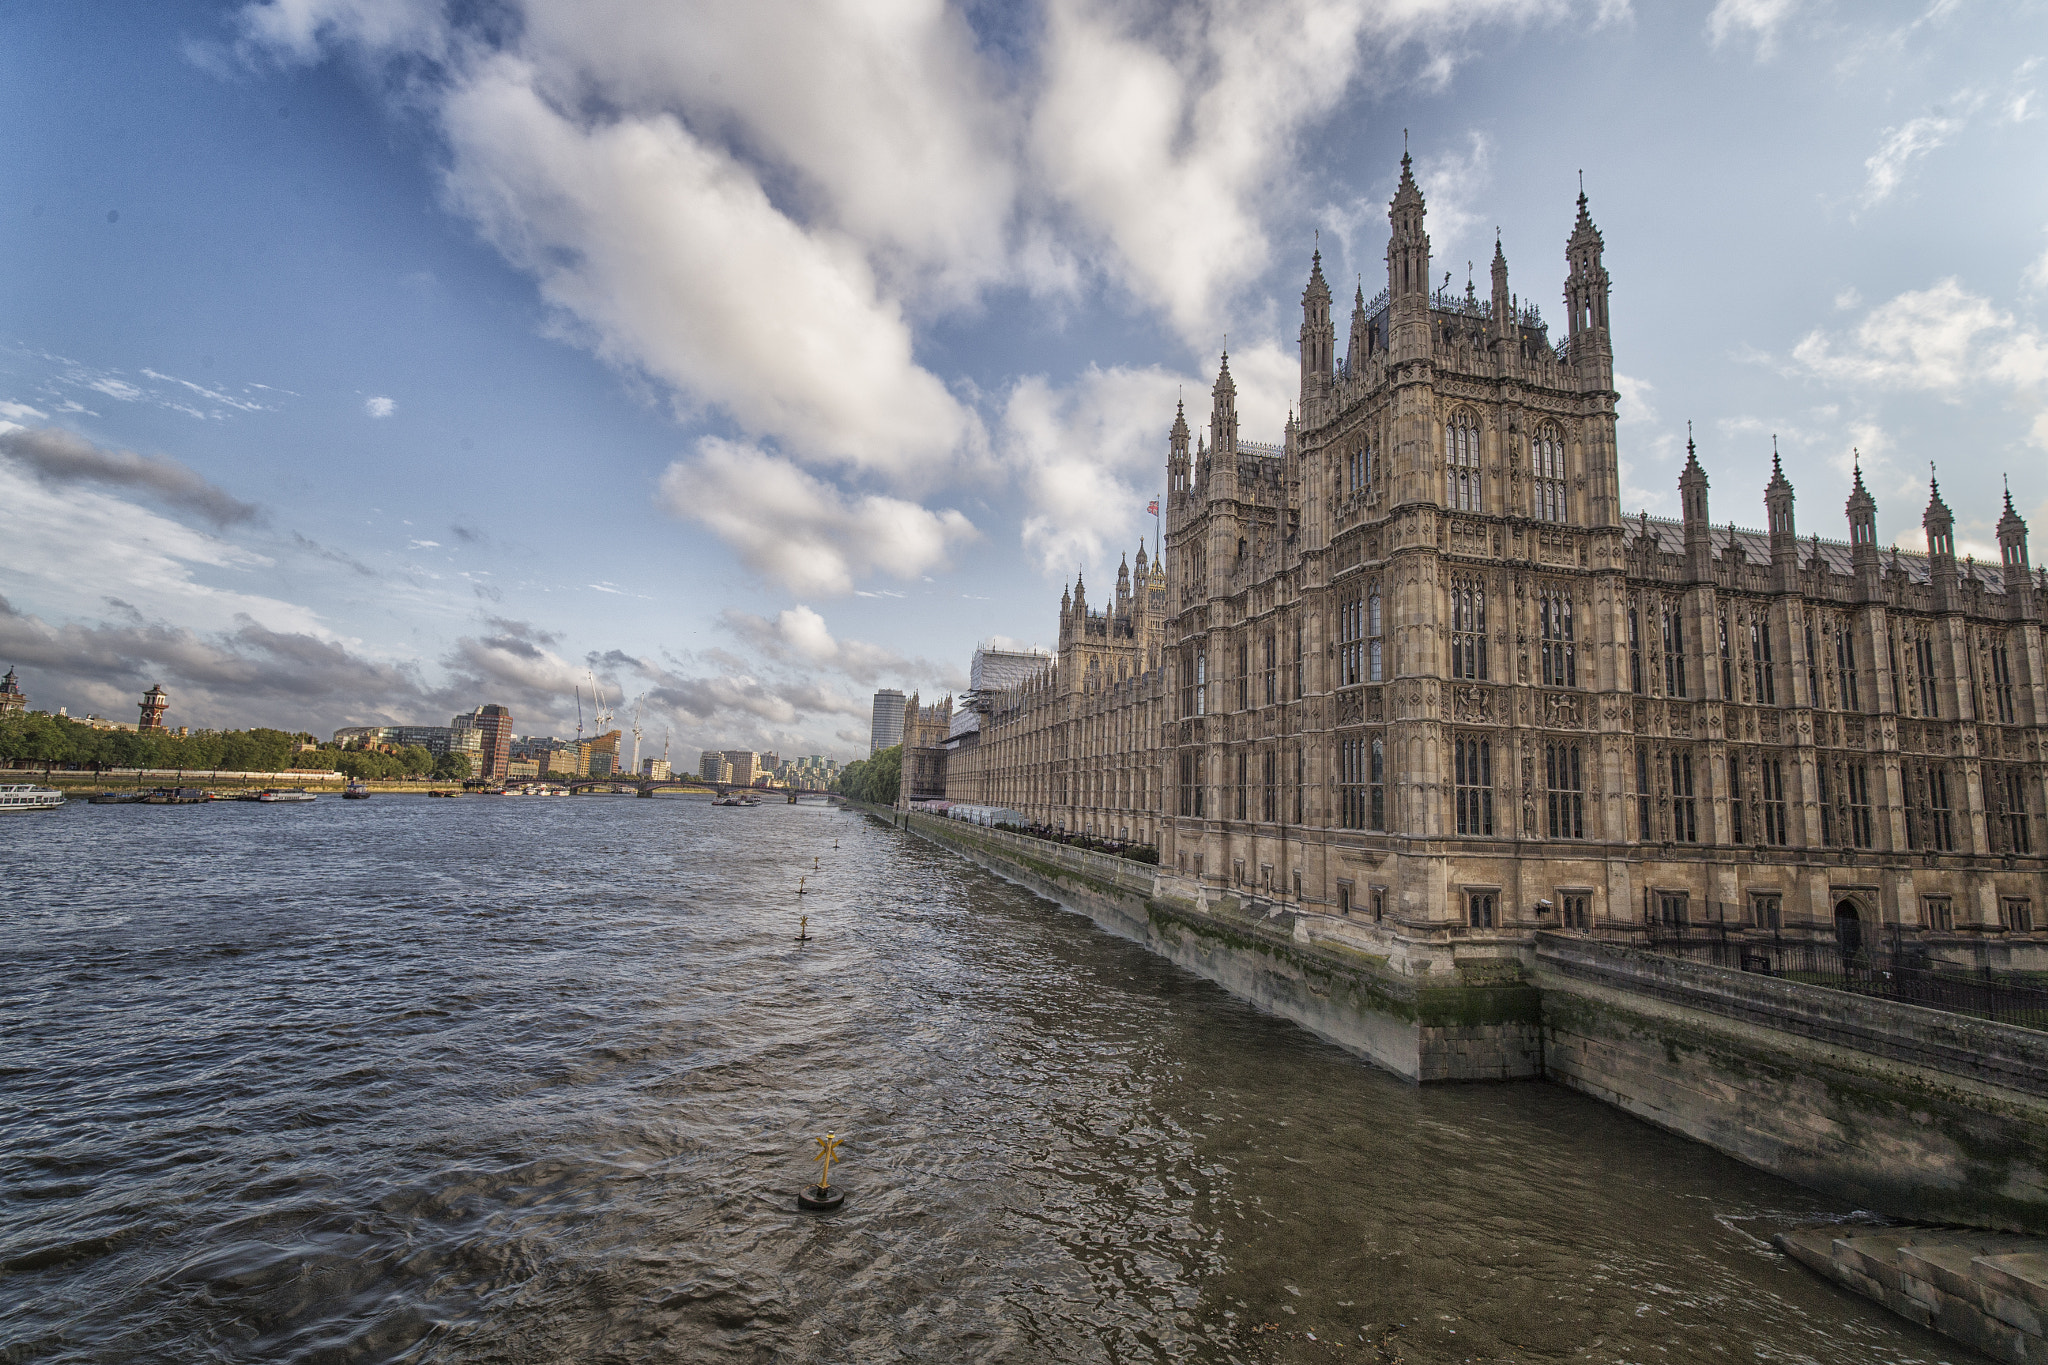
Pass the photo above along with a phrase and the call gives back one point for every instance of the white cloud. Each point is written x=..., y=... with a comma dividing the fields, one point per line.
x=668, y=257
x=168, y=570
x=380, y=407
x=1759, y=19
x=1902, y=146
x=1089, y=457
x=799, y=530
x=1941, y=340
x=2035, y=278
x=799, y=634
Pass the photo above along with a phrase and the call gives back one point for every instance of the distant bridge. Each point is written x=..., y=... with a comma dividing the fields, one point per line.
x=646, y=786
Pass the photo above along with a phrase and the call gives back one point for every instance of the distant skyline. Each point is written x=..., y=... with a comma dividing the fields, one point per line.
x=362, y=364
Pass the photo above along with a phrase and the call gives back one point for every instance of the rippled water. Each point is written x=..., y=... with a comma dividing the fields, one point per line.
x=523, y=1080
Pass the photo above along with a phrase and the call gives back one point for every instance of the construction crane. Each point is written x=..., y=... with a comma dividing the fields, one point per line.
x=636, y=737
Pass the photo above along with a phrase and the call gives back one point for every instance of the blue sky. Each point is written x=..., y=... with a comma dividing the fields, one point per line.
x=371, y=359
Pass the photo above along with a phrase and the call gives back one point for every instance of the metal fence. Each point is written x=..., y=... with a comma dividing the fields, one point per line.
x=1890, y=967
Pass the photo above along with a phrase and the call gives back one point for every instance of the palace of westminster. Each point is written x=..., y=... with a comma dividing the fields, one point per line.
x=1412, y=665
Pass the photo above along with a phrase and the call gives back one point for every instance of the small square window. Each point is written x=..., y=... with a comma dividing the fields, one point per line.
x=1482, y=909
x=2018, y=914
x=1767, y=910
x=1575, y=910
x=1343, y=898
x=1379, y=904
x=1938, y=912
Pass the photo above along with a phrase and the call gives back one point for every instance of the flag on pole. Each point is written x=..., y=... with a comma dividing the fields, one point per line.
x=1152, y=508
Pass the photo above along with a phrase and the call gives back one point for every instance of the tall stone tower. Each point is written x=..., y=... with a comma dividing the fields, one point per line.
x=154, y=703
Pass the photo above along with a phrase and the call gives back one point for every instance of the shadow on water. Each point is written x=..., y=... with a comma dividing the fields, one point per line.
x=495, y=1079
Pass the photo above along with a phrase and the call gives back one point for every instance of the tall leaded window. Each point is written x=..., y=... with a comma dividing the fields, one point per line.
x=1560, y=653
x=1813, y=697
x=1727, y=662
x=1772, y=773
x=1845, y=668
x=1929, y=819
x=1201, y=680
x=1468, y=629
x=1241, y=775
x=1734, y=798
x=1856, y=777
x=2001, y=682
x=1351, y=795
x=1635, y=651
x=1270, y=672
x=1643, y=792
x=1472, y=761
x=1300, y=782
x=1376, y=786
x=1685, y=825
x=1358, y=469
x=1566, y=790
x=1461, y=463
x=1674, y=651
x=1825, y=800
x=1244, y=673
x=1547, y=454
x=1191, y=783
x=1374, y=636
x=1760, y=655
x=2009, y=788
x=1269, y=802
x=1351, y=642
x=1940, y=826
x=1300, y=663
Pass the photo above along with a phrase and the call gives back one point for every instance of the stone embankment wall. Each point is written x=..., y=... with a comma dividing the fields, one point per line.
x=1444, y=1027
x=1913, y=1112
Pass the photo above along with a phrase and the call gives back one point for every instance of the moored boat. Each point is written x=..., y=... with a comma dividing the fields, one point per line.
x=29, y=796
x=287, y=794
x=355, y=791
x=176, y=796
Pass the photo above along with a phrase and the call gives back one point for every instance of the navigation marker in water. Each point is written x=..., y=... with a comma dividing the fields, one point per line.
x=803, y=929
x=822, y=1195
x=800, y=884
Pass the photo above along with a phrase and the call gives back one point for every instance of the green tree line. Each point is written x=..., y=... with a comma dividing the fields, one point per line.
x=876, y=779
x=59, y=742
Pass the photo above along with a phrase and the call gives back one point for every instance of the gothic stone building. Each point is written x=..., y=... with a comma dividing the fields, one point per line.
x=1412, y=666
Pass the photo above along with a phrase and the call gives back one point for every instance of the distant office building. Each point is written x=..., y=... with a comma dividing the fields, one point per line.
x=604, y=755
x=745, y=765
x=494, y=726
x=654, y=769
x=517, y=769
x=711, y=767
x=154, y=703
x=770, y=764
x=11, y=699
x=888, y=721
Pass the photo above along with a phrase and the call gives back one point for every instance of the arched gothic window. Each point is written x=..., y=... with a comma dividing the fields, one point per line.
x=1547, y=456
x=1461, y=463
x=1468, y=630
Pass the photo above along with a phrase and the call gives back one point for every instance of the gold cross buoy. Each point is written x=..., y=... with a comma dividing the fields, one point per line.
x=800, y=884
x=828, y=1152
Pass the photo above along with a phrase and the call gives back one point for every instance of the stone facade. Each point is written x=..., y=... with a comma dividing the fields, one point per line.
x=1412, y=665
x=924, y=750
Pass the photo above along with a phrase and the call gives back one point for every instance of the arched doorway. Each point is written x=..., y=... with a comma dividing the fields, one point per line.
x=1848, y=929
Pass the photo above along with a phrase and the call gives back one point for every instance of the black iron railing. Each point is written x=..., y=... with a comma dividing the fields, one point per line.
x=1888, y=966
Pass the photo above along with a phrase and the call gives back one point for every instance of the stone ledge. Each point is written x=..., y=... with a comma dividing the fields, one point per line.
x=1987, y=1290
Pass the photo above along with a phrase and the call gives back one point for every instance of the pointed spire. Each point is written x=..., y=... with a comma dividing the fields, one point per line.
x=1317, y=286
x=2007, y=481
x=1180, y=419
x=1224, y=383
x=1407, y=192
x=1692, y=458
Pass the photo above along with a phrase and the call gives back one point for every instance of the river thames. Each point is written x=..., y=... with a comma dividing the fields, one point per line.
x=537, y=1080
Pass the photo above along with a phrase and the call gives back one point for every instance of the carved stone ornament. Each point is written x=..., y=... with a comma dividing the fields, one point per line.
x=1350, y=708
x=1681, y=720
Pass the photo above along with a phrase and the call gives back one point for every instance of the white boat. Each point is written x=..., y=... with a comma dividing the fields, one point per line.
x=28, y=796
x=287, y=794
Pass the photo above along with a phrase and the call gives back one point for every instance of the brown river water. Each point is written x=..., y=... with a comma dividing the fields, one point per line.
x=537, y=1080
